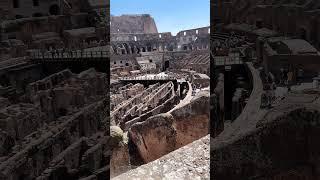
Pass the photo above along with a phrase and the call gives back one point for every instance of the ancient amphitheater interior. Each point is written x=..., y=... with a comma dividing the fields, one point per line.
x=91, y=96
x=159, y=97
x=265, y=90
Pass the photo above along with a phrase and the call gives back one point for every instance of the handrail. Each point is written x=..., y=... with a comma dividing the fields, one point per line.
x=69, y=55
x=148, y=78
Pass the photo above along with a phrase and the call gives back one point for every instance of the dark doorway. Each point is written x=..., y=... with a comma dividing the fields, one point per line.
x=303, y=33
x=35, y=2
x=16, y=4
x=166, y=64
x=259, y=24
x=54, y=10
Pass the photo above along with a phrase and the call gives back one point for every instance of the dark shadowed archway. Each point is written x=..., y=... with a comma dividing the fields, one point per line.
x=303, y=33
x=54, y=9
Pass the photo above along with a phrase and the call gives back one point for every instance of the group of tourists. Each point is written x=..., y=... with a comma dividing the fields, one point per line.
x=286, y=77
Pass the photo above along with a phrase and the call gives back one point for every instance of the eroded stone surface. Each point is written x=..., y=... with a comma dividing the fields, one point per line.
x=60, y=133
x=188, y=162
x=282, y=138
x=163, y=133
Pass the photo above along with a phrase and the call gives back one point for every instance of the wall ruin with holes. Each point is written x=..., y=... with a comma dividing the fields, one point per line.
x=153, y=100
x=163, y=133
x=38, y=142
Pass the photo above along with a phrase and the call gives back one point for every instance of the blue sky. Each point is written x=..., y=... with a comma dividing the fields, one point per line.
x=169, y=15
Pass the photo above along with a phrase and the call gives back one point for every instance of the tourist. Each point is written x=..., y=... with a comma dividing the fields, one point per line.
x=264, y=100
x=282, y=76
x=289, y=78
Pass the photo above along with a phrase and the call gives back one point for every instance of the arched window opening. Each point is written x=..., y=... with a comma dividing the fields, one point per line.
x=54, y=10
x=35, y=2
x=16, y=3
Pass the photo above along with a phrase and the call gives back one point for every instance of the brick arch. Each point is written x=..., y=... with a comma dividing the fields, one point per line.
x=127, y=48
x=54, y=9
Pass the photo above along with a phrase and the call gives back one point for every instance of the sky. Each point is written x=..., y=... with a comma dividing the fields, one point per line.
x=170, y=15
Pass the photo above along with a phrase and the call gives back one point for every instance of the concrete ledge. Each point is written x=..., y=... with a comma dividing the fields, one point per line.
x=188, y=162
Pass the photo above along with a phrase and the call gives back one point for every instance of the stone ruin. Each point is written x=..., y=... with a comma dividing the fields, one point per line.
x=153, y=123
x=293, y=18
x=58, y=130
x=199, y=62
x=276, y=141
x=136, y=48
x=153, y=118
x=188, y=162
x=143, y=23
x=280, y=144
x=143, y=103
x=54, y=121
x=163, y=133
x=155, y=105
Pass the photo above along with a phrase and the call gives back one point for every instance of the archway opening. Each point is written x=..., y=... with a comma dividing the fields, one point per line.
x=303, y=33
x=37, y=15
x=54, y=9
x=259, y=24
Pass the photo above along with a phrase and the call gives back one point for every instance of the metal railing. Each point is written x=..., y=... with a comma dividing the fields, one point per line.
x=68, y=55
x=149, y=78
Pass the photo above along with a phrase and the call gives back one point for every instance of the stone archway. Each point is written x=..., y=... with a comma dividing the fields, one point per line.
x=37, y=15
x=127, y=48
x=54, y=9
x=185, y=47
x=303, y=33
x=114, y=49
